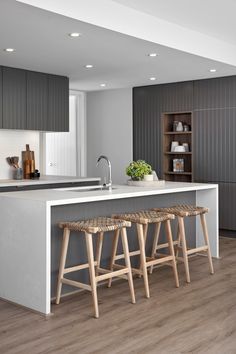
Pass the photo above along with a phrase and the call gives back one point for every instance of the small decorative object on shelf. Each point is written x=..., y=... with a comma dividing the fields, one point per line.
x=178, y=165
x=138, y=169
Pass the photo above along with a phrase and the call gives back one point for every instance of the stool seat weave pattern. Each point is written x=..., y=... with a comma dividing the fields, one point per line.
x=100, y=224
x=184, y=210
x=145, y=216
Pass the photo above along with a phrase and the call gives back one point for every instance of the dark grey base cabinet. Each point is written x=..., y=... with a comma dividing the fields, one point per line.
x=33, y=101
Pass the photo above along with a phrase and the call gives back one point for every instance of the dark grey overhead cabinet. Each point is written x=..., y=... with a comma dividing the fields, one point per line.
x=33, y=101
x=14, y=98
x=37, y=100
x=58, y=104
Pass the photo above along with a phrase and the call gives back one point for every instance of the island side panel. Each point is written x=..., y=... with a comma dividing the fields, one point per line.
x=25, y=253
x=77, y=247
x=209, y=198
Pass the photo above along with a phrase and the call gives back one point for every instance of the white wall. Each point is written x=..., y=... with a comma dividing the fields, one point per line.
x=12, y=142
x=109, y=132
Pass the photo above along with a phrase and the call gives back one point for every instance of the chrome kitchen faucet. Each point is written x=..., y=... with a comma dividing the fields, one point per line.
x=109, y=184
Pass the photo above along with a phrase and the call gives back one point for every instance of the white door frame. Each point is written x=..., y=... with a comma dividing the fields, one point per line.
x=81, y=137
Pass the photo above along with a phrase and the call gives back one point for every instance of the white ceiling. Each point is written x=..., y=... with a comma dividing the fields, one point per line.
x=42, y=44
x=215, y=18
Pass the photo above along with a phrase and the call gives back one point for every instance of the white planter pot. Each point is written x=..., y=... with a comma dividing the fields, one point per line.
x=148, y=178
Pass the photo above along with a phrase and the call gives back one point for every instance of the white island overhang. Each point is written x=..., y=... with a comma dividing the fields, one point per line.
x=30, y=239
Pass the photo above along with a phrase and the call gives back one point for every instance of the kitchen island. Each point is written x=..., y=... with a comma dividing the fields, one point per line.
x=30, y=239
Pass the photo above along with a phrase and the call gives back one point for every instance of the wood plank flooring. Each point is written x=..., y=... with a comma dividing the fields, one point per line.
x=196, y=318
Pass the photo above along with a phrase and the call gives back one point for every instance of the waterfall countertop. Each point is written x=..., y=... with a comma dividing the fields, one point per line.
x=73, y=195
x=30, y=238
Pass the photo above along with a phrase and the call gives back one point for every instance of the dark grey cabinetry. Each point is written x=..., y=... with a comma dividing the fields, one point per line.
x=14, y=98
x=33, y=101
x=213, y=102
x=0, y=97
x=37, y=101
x=58, y=104
x=215, y=145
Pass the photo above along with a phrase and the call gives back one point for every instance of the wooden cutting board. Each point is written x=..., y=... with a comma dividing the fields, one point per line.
x=28, y=154
x=28, y=162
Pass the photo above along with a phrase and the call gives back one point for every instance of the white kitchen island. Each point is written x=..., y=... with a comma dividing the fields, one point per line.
x=30, y=239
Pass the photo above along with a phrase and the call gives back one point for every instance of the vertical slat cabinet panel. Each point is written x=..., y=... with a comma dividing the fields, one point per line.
x=14, y=98
x=37, y=100
x=227, y=202
x=58, y=104
x=215, y=145
x=215, y=93
x=1, y=97
x=149, y=102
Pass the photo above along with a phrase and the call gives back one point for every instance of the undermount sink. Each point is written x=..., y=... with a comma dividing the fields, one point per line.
x=84, y=189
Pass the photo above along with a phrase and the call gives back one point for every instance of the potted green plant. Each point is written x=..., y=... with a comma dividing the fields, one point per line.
x=137, y=170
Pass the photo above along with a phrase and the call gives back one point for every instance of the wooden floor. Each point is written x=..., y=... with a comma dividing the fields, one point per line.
x=196, y=318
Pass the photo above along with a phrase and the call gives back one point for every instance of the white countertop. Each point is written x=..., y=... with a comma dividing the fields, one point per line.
x=46, y=180
x=61, y=197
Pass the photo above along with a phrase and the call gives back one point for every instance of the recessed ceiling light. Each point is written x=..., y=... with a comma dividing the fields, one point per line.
x=9, y=50
x=89, y=66
x=74, y=34
x=103, y=85
x=152, y=78
x=152, y=54
x=212, y=70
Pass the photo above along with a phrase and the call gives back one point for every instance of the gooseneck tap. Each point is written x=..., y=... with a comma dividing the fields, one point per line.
x=109, y=184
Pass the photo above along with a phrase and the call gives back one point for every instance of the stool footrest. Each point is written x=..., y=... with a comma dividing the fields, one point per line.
x=165, y=245
x=77, y=284
x=160, y=260
x=198, y=249
x=131, y=254
x=134, y=270
x=109, y=274
x=76, y=268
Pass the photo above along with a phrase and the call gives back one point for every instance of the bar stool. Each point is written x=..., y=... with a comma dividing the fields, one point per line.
x=142, y=219
x=90, y=228
x=183, y=211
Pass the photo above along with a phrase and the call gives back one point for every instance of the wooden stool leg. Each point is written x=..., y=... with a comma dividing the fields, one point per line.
x=178, y=244
x=113, y=253
x=172, y=251
x=143, y=258
x=89, y=245
x=155, y=242
x=145, y=230
x=99, y=250
x=206, y=237
x=184, y=247
x=65, y=241
x=127, y=262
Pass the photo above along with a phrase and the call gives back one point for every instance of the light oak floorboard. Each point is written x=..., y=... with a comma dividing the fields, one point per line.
x=196, y=318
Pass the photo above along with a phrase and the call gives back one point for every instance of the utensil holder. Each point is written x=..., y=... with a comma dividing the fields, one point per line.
x=18, y=173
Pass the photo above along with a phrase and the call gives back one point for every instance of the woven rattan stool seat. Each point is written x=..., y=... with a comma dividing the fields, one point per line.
x=145, y=216
x=184, y=210
x=100, y=224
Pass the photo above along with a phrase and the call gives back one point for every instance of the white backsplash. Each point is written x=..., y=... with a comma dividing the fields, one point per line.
x=12, y=142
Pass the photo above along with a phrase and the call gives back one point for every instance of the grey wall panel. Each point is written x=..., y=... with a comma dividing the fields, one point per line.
x=58, y=103
x=37, y=99
x=148, y=104
x=215, y=93
x=14, y=98
x=215, y=145
x=227, y=201
x=1, y=108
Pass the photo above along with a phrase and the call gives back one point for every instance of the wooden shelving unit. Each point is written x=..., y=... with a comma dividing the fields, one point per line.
x=169, y=135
